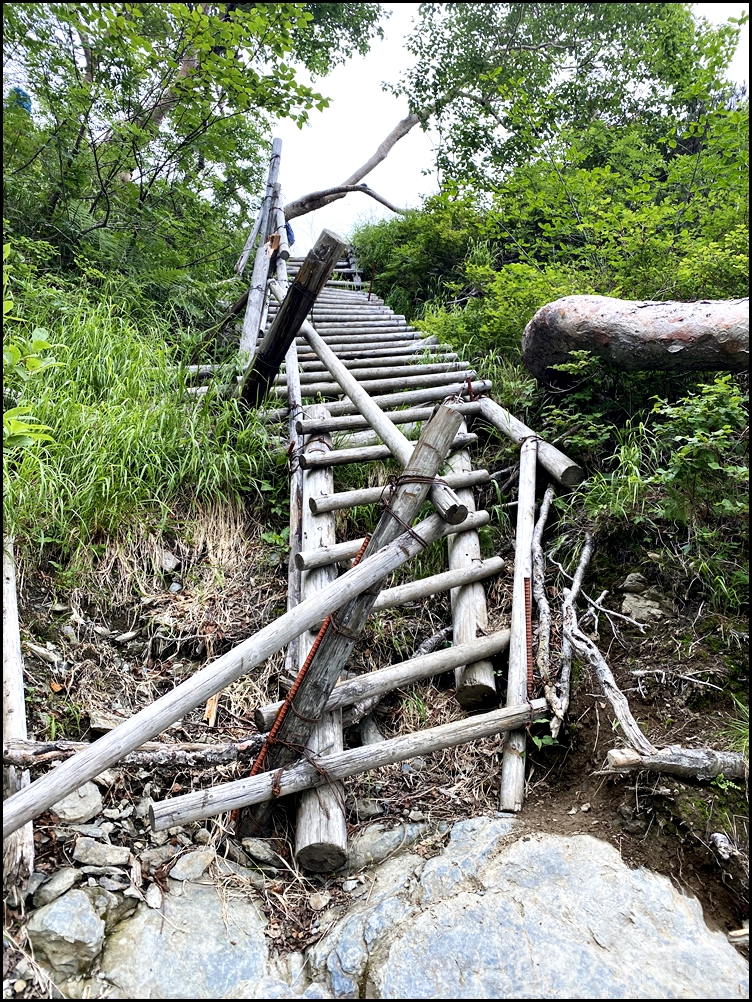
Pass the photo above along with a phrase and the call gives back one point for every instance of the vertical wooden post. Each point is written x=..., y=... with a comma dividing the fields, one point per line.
x=260, y=274
x=321, y=833
x=301, y=295
x=18, y=848
x=475, y=684
x=280, y=227
x=513, y=762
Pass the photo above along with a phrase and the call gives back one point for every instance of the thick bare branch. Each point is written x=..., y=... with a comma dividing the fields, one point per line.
x=318, y=199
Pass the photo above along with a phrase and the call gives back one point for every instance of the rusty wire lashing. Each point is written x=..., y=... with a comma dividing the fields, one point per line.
x=529, y=637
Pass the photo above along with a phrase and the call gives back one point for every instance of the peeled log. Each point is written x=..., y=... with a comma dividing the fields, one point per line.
x=633, y=336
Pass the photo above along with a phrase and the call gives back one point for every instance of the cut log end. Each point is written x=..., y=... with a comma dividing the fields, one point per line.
x=323, y=857
x=474, y=694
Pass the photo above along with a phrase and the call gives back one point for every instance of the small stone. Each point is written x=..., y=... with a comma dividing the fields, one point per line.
x=416, y=816
x=87, y=850
x=641, y=608
x=152, y=859
x=585, y=808
x=107, y=829
x=70, y=634
x=111, y=812
x=101, y=721
x=115, y=884
x=19, y=986
x=168, y=562
x=365, y=809
x=260, y=852
x=59, y=607
x=81, y=805
x=202, y=836
x=634, y=583
x=154, y=896
x=107, y=778
x=57, y=885
x=350, y=885
x=192, y=865
x=319, y=900
x=573, y=811
x=159, y=838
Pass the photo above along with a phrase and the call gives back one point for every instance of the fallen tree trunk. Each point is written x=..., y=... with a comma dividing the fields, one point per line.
x=634, y=336
x=150, y=755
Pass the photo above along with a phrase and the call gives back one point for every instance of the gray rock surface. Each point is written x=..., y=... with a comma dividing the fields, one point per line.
x=193, y=865
x=201, y=943
x=641, y=608
x=81, y=805
x=377, y=842
x=90, y=851
x=537, y=917
x=60, y=882
x=68, y=933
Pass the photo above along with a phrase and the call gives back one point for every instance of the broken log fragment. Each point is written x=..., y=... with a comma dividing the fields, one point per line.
x=305, y=775
x=150, y=755
x=689, y=763
x=633, y=336
x=551, y=459
x=296, y=304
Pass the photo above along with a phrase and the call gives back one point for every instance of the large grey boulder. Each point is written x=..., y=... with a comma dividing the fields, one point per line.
x=545, y=916
x=68, y=933
x=202, y=942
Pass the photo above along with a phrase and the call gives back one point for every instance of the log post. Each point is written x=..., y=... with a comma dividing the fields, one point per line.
x=296, y=304
x=344, y=629
x=260, y=275
x=634, y=336
x=18, y=848
x=475, y=684
x=320, y=831
x=520, y=657
x=304, y=775
x=689, y=763
x=126, y=737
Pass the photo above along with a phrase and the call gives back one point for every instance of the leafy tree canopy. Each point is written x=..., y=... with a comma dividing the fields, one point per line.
x=503, y=78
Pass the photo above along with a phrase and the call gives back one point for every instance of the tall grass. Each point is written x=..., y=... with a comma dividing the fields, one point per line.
x=128, y=443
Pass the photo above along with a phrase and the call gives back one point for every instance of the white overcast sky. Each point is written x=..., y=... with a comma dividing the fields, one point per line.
x=341, y=138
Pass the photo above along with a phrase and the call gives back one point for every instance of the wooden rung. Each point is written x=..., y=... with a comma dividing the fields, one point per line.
x=308, y=560
x=370, y=495
x=431, y=381
x=383, y=680
x=381, y=371
x=365, y=454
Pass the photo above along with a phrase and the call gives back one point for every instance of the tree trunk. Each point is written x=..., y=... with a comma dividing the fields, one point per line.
x=633, y=336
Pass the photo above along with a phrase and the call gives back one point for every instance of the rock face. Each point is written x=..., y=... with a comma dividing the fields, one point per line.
x=494, y=915
x=542, y=917
x=197, y=946
x=68, y=933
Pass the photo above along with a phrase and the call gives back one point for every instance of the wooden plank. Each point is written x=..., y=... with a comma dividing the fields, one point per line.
x=353, y=422
x=551, y=459
x=18, y=849
x=520, y=658
x=475, y=684
x=296, y=303
x=384, y=371
x=383, y=680
x=42, y=793
x=456, y=578
x=382, y=385
x=258, y=789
